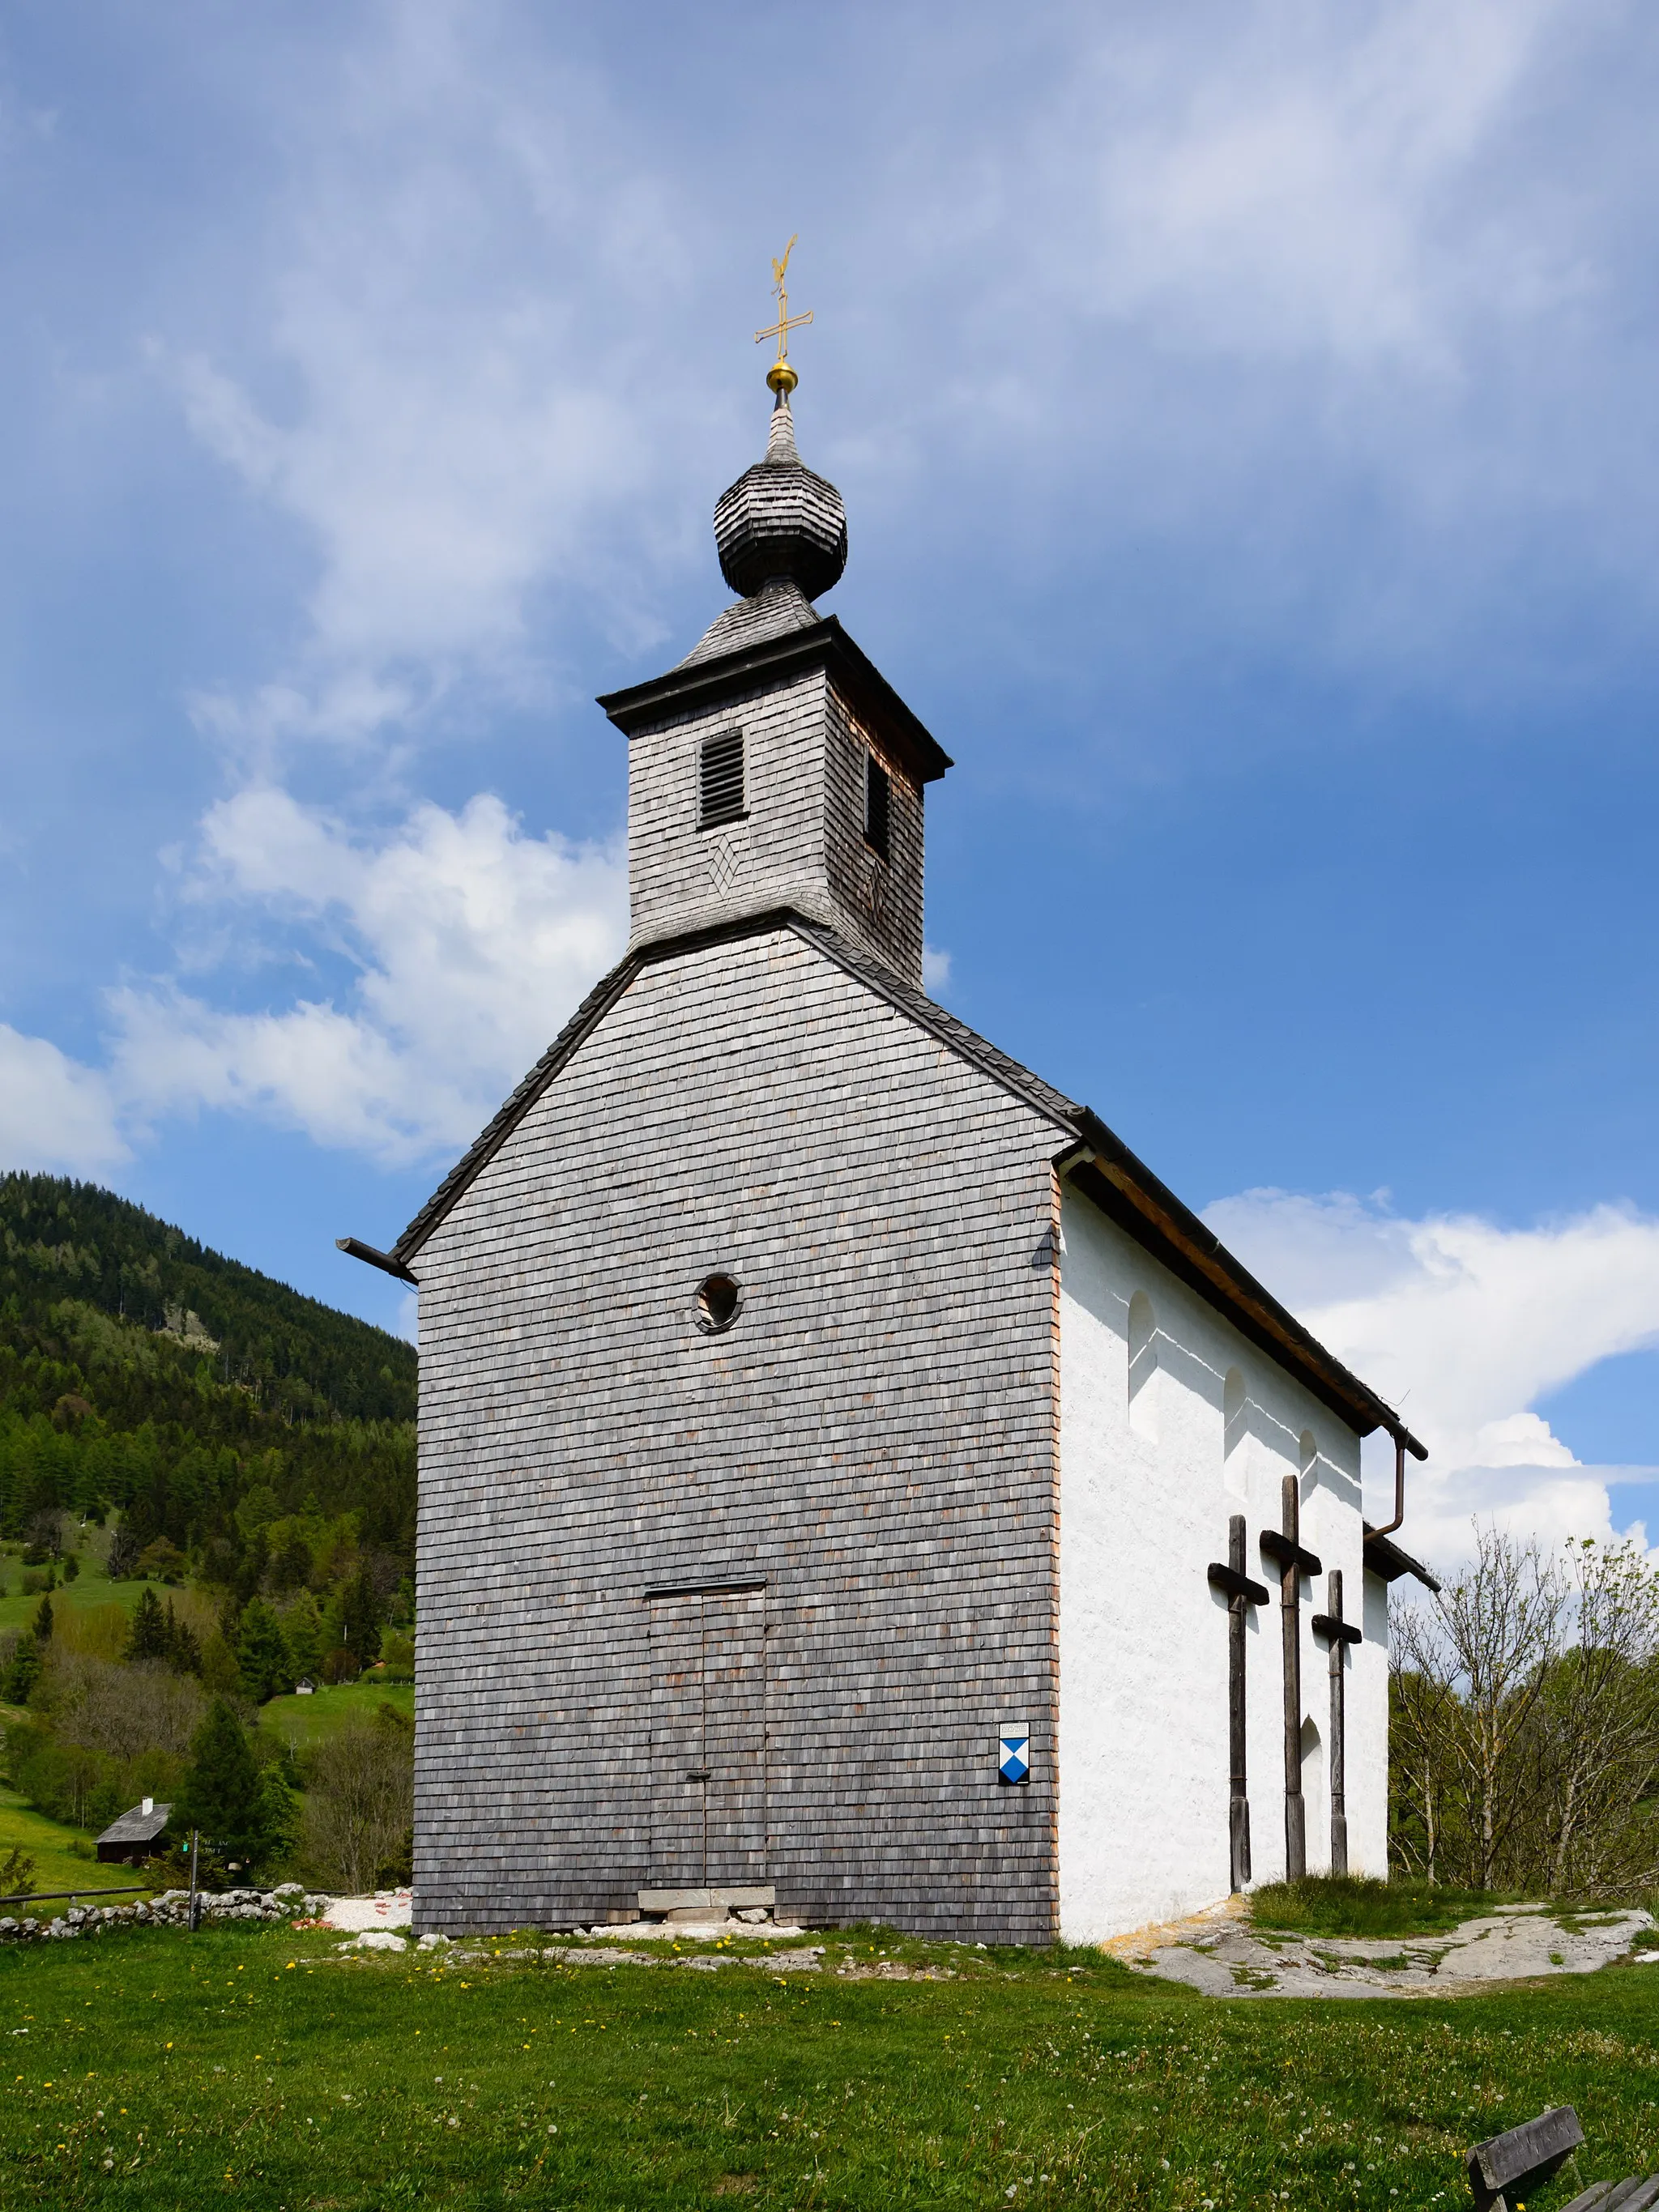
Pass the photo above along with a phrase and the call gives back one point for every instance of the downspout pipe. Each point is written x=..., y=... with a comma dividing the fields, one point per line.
x=1399, y=1487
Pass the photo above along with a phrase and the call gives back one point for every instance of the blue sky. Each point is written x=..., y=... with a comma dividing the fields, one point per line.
x=1246, y=420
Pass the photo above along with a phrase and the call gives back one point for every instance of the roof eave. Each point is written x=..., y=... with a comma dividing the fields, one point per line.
x=1126, y=1188
x=1385, y=1558
x=824, y=644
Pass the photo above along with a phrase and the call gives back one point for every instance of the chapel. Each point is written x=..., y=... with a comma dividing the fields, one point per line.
x=852, y=1485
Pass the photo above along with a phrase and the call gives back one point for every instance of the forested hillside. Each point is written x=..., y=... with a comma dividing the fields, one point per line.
x=216, y=1410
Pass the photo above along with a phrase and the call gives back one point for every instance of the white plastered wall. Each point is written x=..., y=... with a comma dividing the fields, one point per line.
x=1146, y=1486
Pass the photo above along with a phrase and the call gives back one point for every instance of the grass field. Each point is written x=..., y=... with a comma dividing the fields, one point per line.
x=302, y=1721
x=92, y=1586
x=1358, y=1905
x=246, y=2068
x=47, y=1844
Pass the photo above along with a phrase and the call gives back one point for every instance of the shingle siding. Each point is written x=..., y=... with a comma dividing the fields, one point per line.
x=874, y=1436
x=802, y=844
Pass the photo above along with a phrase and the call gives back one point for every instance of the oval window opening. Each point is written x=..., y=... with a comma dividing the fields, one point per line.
x=718, y=1301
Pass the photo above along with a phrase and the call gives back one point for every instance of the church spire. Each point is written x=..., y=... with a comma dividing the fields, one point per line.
x=780, y=523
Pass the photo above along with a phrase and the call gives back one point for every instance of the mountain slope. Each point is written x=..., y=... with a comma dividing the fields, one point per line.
x=139, y=1369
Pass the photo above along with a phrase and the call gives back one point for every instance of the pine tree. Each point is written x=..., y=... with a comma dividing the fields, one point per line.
x=147, y=1637
x=71, y=1568
x=21, y=1675
x=183, y=1646
x=40, y=1626
x=222, y=1790
x=360, y=1627
x=302, y=1626
x=278, y=1814
x=262, y=1653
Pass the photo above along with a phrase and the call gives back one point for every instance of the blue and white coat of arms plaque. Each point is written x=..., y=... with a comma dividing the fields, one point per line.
x=1014, y=1752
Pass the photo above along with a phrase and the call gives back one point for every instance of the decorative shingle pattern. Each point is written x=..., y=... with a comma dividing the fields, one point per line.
x=802, y=844
x=751, y=1106
x=775, y=609
x=779, y=520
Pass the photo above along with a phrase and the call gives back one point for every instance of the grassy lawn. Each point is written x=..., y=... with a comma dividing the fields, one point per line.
x=212, y=2072
x=91, y=1586
x=47, y=1844
x=302, y=1721
x=1357, y=1905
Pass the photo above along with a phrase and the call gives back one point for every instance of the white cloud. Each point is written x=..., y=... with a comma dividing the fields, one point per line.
x=935, y=968
x=454, y=398
x=55, y=1114
x=1463, y=1325
x=1290, y=194
x=471, y=944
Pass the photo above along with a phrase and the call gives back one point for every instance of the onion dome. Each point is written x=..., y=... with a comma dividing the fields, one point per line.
x=780, y=523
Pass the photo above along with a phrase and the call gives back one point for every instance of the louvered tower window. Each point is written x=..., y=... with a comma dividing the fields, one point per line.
x=877, y=807
x=719, y=785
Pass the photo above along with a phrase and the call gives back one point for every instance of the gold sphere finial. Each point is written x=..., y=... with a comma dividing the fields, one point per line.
x=781, y=378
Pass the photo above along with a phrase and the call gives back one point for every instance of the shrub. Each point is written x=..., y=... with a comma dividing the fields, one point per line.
x=162, y=1559
x=16, y=1874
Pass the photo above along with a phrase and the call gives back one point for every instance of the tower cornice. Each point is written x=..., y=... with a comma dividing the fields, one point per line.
x=694, y=687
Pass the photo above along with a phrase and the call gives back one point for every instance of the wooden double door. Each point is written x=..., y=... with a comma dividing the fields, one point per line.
x=707, y=1739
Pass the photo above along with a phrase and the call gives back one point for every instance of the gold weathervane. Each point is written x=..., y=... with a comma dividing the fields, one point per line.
x=781, y=376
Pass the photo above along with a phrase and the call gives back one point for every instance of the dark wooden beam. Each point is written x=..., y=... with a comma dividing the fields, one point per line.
x=1240, y=1592
x=1237, y=1584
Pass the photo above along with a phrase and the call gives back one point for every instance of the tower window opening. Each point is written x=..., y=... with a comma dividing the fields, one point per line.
x=720, y=786
x=877, y=804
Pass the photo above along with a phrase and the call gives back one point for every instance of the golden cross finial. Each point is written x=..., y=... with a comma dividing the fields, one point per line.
x=780, y=374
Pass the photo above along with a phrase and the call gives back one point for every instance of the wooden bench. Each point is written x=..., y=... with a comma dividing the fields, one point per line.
x=1504, y=2171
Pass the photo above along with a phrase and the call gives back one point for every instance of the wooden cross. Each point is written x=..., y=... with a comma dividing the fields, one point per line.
x=785, y=321
x=1283, y=1544
x=1241, y=1592
x=1340, y=1632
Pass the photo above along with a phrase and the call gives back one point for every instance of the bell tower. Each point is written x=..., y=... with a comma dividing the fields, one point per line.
x=774, y=768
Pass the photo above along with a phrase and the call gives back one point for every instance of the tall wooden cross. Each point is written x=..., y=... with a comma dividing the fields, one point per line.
x=1332, y=1625
x=1241, y=1592
x=785, y=321
x=1283, y=1544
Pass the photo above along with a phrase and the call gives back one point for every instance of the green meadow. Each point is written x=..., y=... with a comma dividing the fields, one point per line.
x=302, y=1721
x=91, y=1588
x=46, y=1841
x=253, y=2068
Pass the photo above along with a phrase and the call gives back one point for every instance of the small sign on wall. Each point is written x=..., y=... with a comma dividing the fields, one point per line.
x=1013, y=1753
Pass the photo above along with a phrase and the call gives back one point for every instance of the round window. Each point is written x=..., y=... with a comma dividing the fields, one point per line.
x=719, y=1301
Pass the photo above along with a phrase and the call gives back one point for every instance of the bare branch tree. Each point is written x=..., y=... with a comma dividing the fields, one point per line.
x=360, y=1802
x=1484, y=1650
x=1598, y=1727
